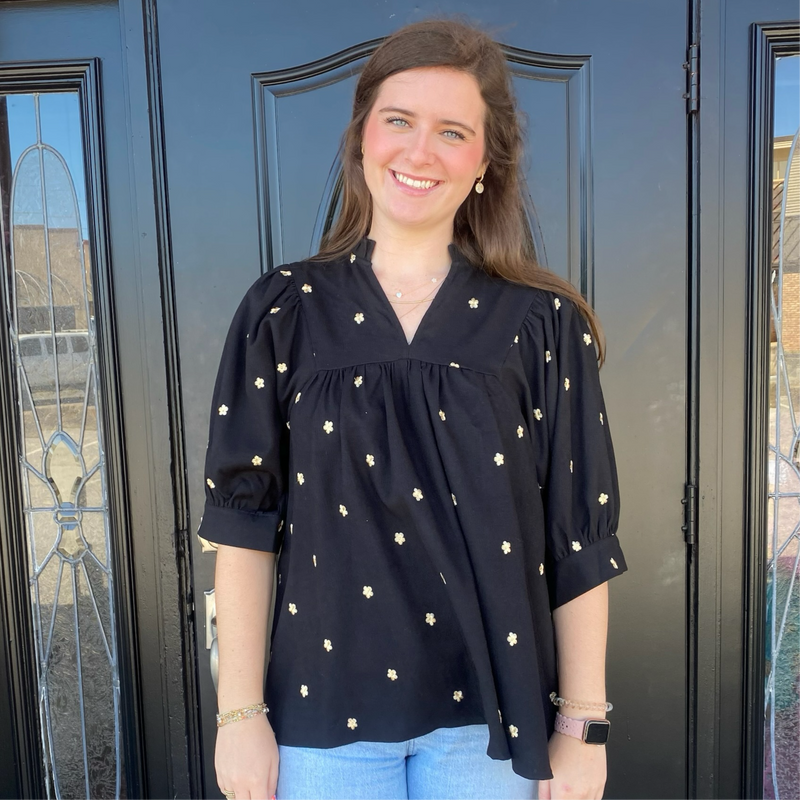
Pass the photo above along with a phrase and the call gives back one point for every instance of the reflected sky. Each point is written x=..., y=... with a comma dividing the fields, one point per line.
x=787, y=95
x=61, y=129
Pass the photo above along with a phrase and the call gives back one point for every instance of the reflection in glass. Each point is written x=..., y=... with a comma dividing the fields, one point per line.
x=50, y=308
x=782, y=690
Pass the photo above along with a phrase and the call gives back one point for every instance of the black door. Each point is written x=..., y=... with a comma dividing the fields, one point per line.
x=255, y=98
x=155, y=158
x=92, y=668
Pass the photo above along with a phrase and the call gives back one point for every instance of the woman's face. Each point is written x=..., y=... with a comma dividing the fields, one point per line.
x=423, y=147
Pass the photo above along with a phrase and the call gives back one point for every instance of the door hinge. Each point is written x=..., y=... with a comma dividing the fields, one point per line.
x=690, y=513
x=692, y=67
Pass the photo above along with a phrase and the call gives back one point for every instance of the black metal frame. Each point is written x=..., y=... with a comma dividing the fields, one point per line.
x=82, y=77
x=766, y=42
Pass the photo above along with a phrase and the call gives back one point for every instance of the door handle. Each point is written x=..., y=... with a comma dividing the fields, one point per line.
x=211, y=635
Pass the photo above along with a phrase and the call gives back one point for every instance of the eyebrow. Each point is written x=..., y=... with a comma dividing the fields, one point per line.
x=441, y=121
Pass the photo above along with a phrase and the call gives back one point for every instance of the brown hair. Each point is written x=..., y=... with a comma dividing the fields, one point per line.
x=490, y=229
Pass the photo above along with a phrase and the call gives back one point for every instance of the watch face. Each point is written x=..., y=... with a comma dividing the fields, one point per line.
x=597, y=732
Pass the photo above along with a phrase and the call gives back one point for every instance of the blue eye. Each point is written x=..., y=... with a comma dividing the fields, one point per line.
x=393, y=120
x=457, y=134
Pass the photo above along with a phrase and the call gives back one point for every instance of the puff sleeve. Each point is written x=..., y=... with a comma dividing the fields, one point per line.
x=247, y=458
x=580, y=490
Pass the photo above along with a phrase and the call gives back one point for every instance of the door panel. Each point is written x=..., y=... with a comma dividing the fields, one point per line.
x=254, y=107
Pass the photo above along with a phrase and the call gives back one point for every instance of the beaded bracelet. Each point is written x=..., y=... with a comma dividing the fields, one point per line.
x=241, y=713
x=560, y=701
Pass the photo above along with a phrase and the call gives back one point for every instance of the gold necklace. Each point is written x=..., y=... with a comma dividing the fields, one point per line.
x=416, y=302
x=398, y=293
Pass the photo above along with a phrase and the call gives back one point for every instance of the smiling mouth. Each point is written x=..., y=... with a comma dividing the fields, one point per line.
x=414, y=184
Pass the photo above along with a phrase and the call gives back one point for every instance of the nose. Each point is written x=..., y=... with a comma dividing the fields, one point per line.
x=420, y=148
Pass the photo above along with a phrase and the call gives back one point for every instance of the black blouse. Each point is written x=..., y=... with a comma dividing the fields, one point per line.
x=431, y=502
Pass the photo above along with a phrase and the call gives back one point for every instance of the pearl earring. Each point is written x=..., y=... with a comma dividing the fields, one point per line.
x=479, y=184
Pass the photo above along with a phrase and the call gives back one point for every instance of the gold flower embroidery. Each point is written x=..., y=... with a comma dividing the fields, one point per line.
x=391, y=675
x=516, y=339
x=352, y=257
x=343, y=510
x=304, y=690
x=297, y=397
x=513, y=730
x=587, y=338
x=603, y=498
x=541, y=569
x=547, y=356
x=473, y=302
x=328, y=426
x=211, y=484
x=370, y=460
x=613, y=563
x=256, y=461
x=499, y=459
x=557, y=303
x=458, y=696
x=367, y=592
x=286, y=272
x=292, y=609
x=430, y=619
x=511, y=638
x=399, y=537
x=359, y=318
x=417, y=494
x=352, y=724
x=301, y=479
x=288, y=424
x=453, y=364
x=506, y=547
x=520, y=431
x=566, y=383
x=223, y=410
x=327, y=645
x=306, y=288
x=274, y=309
x=441, y=415
x=576, y=546
x=358, y=380
x=259, y=382
x=282, y=367
x=537, y=413
x=454, y=499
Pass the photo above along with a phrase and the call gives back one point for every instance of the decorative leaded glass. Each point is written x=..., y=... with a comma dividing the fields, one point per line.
x=782, y=691
x=50, y=309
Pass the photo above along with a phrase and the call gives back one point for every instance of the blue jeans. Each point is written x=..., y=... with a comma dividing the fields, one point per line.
x=445, y=764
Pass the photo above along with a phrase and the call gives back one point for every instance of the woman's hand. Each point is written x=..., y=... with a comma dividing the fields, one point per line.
x=246, y=758
x=579, y=770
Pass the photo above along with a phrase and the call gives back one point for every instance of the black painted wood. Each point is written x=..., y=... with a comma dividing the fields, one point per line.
x=732, y=359
x=255, y=99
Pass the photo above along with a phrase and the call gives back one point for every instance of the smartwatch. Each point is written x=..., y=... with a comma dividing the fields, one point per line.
x=590, y=731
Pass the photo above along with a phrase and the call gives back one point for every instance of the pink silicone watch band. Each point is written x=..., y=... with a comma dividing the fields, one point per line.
x=570, y=726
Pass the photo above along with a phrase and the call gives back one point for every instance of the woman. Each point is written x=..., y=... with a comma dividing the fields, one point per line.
x=413, y=419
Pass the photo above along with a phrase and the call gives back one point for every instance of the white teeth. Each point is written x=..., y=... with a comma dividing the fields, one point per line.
x=415, y=184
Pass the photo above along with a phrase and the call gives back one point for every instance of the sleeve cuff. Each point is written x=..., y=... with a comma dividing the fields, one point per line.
x=255, y=530
x=579, y=572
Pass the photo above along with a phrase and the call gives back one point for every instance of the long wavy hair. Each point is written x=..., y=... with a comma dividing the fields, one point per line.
x=490, y=229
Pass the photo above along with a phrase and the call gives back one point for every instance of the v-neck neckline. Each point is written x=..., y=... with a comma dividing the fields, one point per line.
x=363, y=256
